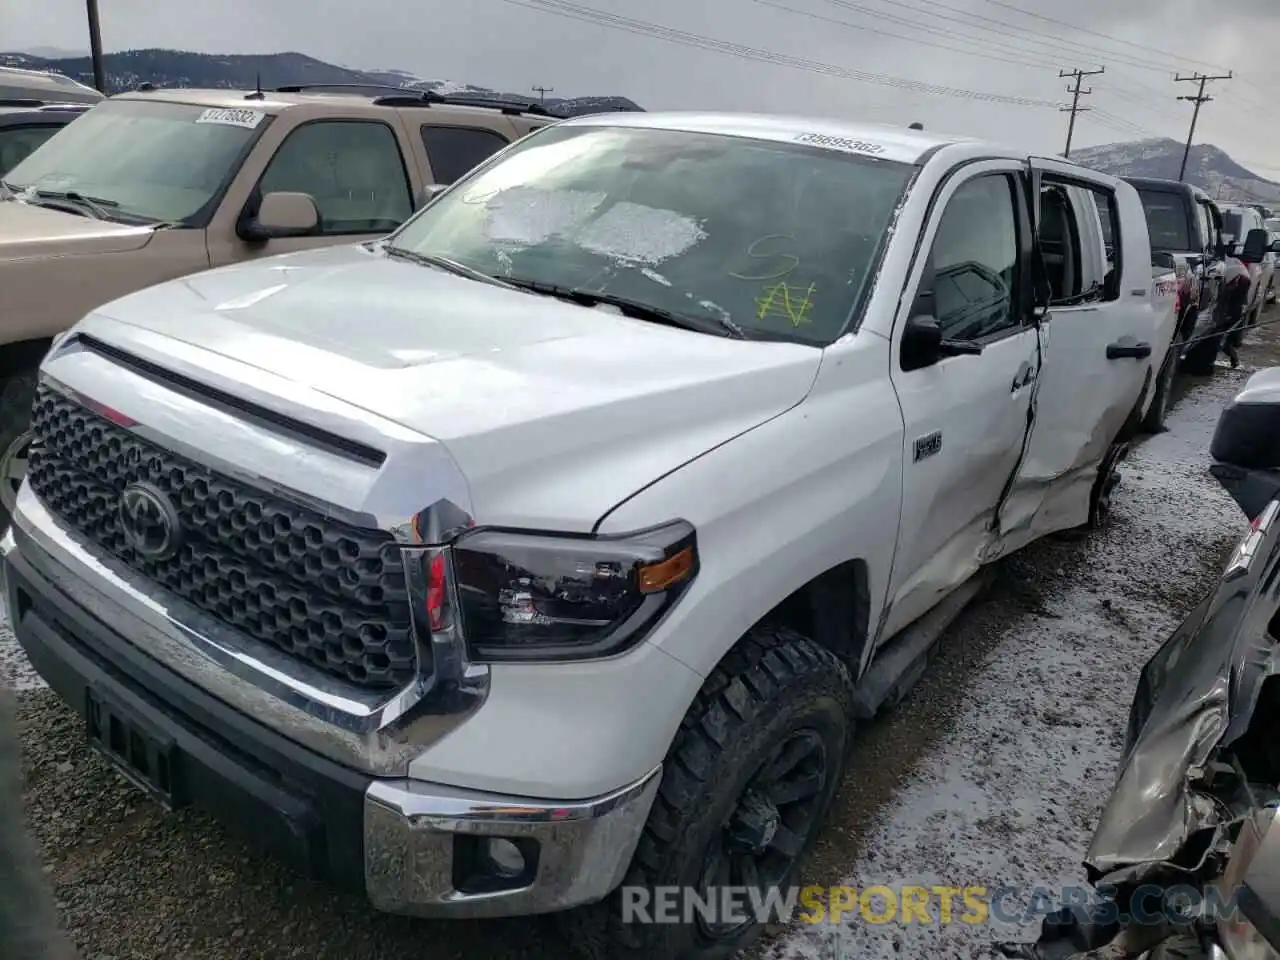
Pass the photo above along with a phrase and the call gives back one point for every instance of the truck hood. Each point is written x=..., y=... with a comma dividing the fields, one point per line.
x=554, y=412
x=30, y=231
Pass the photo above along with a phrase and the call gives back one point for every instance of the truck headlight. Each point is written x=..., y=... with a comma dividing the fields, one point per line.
x=533, y=596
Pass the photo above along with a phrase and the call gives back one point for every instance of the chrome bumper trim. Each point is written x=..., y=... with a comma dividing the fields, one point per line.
x=364, y=729
x=584, y=846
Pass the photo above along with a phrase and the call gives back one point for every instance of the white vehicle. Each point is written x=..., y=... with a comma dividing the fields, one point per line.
x=556, y=543
x=1237, y=221
x=44, y=86
x=1273, y=228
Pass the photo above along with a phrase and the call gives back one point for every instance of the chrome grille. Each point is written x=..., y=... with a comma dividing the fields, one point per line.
x=276, y=570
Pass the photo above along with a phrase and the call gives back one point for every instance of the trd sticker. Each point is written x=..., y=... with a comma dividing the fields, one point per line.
x=840, y=143
x=928, y=446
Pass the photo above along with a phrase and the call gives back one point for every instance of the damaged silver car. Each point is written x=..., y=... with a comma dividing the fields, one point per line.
x=1186, y=858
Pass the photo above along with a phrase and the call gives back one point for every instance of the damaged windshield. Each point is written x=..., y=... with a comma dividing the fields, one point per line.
x=141, y=160
x=777, y=239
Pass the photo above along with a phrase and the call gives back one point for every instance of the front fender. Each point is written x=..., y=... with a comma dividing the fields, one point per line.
x=781, y=504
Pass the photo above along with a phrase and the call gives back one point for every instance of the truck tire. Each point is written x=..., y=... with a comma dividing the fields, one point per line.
x=774, y=720
x=17, y=394
x=1104, y=486
x=1200, y=358
x=1153, y=422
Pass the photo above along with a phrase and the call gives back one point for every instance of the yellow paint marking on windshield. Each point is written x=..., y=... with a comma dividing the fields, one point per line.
x=789, y=300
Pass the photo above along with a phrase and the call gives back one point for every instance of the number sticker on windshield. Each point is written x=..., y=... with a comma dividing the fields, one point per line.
x=249, y=119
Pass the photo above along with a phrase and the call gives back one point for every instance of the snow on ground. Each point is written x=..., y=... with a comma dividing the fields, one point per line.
x=1007, y=794
x=15, y=672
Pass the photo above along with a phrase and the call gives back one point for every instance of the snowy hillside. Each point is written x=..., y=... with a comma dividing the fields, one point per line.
x=1208, y=167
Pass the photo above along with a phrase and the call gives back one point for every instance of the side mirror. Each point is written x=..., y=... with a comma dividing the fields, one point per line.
x=282, y=214
x=1274, y=246
x=1256, y=243
x=923, y=345
x=429, y=193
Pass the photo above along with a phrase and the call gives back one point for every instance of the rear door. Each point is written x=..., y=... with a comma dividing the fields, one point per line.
x=1103, y=308
x=454, y=150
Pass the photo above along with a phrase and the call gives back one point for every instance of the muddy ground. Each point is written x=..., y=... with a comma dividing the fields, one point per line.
x=991, y=773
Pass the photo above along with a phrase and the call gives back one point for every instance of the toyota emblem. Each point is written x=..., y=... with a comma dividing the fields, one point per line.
x=150, y=522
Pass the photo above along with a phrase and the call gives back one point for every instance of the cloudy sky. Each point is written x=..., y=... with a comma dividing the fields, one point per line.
x=983, y=67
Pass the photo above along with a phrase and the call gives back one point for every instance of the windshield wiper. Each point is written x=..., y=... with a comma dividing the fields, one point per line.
x=95, y=205
x=712, y=323
x=442, y=263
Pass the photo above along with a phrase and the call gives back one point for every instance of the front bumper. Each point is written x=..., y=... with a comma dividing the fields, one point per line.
x=412, y=847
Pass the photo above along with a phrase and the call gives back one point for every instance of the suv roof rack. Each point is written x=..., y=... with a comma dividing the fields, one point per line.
x=22, y=102
x=386, y=95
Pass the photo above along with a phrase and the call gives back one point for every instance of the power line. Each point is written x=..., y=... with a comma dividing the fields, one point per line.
x=1094, y=33
x=542, y=92
x=897, y=36
x=1053, y=42
x=1076, y=93
x=584, y=14
x=1199, y=100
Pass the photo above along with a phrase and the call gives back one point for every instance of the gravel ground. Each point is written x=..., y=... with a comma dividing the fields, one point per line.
x=992, y=772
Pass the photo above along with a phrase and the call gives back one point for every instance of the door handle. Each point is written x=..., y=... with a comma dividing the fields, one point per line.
x=1026, y=373
x=1121, y=351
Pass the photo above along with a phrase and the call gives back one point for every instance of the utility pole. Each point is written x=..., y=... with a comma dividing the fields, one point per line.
x=95, y=46
x=1076, y=93
x=1199, y=99
x=542, y=93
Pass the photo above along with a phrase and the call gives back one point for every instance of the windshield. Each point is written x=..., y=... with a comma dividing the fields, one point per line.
x=1166, y=220
x=778, y=238
x=147, y=160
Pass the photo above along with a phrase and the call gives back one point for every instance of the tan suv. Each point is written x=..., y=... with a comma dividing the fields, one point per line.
x=156, y=184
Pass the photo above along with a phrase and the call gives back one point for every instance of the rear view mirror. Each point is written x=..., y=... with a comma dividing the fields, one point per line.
x=1256, y=244
x=283, y=214
x=923, y=344
x=1274, y=246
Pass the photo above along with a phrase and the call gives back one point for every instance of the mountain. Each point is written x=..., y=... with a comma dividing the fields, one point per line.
x=181, y=68
x=1208, y=167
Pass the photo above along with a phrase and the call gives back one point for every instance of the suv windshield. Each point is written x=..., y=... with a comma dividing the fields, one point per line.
x=778, y=238
x=152, y=161
x=1166, y=220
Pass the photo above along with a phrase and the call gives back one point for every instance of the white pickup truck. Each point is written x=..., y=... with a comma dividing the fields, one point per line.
x=550, y=549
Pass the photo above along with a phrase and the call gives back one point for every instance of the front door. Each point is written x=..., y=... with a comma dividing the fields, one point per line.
x=1103, y=300
x=355, y=171
x=966, y=416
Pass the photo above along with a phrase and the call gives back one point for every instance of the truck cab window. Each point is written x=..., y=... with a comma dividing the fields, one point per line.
x=1060, y=244
x=1167, y=220
x=352, y=169
x=1112, y=241
x=1208, y=233
x=453, y=151
x=973, y=262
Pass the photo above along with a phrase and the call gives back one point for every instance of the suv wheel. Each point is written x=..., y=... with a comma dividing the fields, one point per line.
x=745, y=787
x=17, y=394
